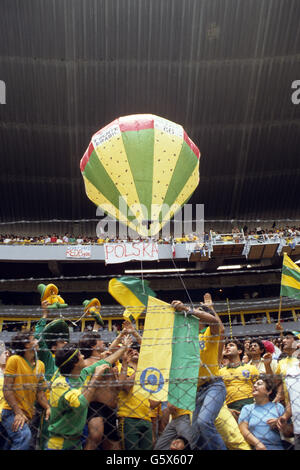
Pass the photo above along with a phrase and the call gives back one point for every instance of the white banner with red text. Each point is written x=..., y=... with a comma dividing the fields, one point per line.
x=127, y=251
x=78, y=252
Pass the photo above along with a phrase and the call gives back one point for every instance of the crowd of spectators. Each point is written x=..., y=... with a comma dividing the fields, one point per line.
x=259, y=234
x=289, y=234
x=82, y=396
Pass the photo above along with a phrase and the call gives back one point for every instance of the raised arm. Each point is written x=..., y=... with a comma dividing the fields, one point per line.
x=39, y=327
x=128, y=329
x=89, y=391
x=203, y=316
x=115, y=356
x=126, y=382
x=131, y=330
x=208, y=304
x=267, y=358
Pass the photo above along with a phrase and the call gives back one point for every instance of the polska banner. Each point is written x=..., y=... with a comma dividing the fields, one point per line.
x=127, y=251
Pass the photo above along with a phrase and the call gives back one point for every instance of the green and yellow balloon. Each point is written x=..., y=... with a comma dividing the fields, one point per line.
x=141, y=169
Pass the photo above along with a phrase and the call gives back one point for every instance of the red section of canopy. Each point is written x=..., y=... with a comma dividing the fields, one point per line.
x=191, y=144
x=86, y=156
x=126, y=123
x=131, y=123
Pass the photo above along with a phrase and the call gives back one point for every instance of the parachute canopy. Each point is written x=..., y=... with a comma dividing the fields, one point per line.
x=141, y=169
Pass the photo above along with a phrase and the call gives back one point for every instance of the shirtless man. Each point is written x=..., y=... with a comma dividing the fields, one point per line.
x=102, y=417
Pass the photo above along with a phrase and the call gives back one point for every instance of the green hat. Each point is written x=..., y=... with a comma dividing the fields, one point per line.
x=91, y=303
x=44, y=290
x=292, y=333
x=51, y=289
x=96, y=315
x=56, y=330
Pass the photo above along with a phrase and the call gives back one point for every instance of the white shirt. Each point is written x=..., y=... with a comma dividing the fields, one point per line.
x=276, y=353
x=292, y=381
x=260, y=366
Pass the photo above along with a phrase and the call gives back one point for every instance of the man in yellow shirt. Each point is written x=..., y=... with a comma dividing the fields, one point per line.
x=225, y=423
x=238, y=377
x=24, y=384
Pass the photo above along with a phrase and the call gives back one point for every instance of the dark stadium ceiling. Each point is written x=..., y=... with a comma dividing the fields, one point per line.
x=221, y=68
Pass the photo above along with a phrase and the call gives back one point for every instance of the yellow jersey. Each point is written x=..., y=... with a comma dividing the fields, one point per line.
x=209, y=354
x=134, y=405
x=27, y=380
x=239, y=381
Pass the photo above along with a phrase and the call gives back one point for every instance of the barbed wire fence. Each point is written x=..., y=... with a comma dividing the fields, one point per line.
x=120, y=415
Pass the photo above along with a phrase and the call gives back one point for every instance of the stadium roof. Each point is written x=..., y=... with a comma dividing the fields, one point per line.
x=222, y=68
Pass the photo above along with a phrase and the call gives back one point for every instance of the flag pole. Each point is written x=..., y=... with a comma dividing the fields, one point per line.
x=279, y=310
x=279, y=327
x=230, y=325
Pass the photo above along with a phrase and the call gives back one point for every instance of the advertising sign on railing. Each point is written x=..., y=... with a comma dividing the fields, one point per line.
x=78, y=252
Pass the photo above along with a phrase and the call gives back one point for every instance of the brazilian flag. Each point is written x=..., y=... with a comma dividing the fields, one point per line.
x=290, y=279
x=169, y=358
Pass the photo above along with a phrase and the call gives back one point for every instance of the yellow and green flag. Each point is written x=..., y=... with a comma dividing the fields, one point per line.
x=169, y=358
x=132, y=293
x=290, y=279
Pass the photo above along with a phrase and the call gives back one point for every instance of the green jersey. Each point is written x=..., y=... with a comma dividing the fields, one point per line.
x=69, y=409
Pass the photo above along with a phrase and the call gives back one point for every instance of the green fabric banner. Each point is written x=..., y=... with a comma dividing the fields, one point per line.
x=185, y=363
